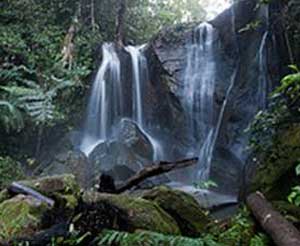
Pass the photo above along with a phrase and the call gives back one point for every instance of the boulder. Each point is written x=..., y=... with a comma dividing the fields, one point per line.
x=142, y=214
x=72, y=162
x=190, y=217
x=128, y=151
x=20, y=216
x=53, y=185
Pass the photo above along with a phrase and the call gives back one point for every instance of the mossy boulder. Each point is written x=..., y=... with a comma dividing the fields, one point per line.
x=142, y=214
x=64, y=189
x=277, y=163
x=10, y=170
x=20, y=216
x=190, y=217
x=49, y=185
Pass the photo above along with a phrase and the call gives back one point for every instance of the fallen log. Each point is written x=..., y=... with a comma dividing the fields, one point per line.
x=17, y=188
x=282, y=232
x=154, y=170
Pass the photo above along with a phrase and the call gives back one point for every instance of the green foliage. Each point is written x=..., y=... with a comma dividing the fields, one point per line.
x=294, y=196
x=206, y=184
x=114, y=238
x=10, y=117
x=10, y=170
x=290, y=86
x=284, y=109
x=240, y=231
x=252, y=26
x=260, y=240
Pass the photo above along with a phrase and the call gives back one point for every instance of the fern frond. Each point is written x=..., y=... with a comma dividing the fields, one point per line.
x=145, y=238
x=10, y=116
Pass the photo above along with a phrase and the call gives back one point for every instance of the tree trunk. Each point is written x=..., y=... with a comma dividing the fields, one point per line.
x=120, y=22
x=154, y=170
x=17, y=188
x=282, y=232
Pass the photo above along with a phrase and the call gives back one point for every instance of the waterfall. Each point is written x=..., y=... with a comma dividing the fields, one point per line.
x=263, y=79
x=139, y=67
x=263, y=73
x=199, y=88
x=199, y=81
x=105, y=104
x=140, y=77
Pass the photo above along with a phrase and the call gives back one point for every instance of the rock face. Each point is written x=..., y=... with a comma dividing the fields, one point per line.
x=190, y=218
x=245, y=57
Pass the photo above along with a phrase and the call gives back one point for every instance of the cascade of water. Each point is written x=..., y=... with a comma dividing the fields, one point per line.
x=263, y=73
x=139, y=64
x=263, y=66
x=140, y=76
x=105, y=105
x=199, y=81
x=207, y=150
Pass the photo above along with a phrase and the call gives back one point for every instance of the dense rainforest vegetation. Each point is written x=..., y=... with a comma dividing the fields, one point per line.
x=49, y=52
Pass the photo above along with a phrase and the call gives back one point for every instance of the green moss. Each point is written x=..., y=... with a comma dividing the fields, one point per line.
x=191, y=219
x=20, y=216
x=10, y=170
x=62, y=184
x=143, y=214
x=277, y=161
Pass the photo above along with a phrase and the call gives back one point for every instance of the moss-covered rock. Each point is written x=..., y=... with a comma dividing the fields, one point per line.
x=20, y=216
x=190, y=217
x=72, y=162
x=51, y=185
x=277, y=163
x=10, y=170
x=142, y=214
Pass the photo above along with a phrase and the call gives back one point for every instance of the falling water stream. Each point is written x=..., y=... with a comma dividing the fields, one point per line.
x=200, y=78
x=105, y=104
x=140, y=77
